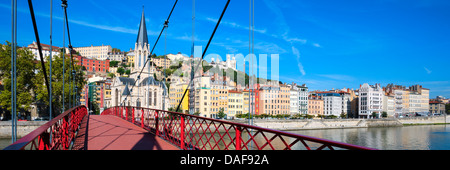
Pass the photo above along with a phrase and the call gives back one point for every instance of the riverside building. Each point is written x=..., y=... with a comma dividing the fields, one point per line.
x=370, y=100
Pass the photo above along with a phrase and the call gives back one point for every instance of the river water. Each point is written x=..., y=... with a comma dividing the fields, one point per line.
x=422, y=137
x=4, y=142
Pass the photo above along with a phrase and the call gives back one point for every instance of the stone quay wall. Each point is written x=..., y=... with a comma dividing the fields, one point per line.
x=301, y=124
x=23, y=128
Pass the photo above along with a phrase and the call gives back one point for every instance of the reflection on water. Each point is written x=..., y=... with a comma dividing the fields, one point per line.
x=426, y=137
x=4, y=142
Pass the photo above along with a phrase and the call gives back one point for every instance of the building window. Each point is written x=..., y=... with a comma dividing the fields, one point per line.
x=138, y=103
x=154, y=97
x=150, y=98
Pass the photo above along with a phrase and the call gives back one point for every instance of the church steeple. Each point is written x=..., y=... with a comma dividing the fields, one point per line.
x=142, y=33
x=142, y=48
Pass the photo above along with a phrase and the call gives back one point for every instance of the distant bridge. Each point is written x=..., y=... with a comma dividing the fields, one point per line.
x=137, y=128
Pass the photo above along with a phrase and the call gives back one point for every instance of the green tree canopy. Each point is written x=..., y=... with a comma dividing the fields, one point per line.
x=57, y=81
x=447, y=108
x=30, y=79
x=221, y=114
x=113, y=63
x=115, y=50
x=25, y=77
x=112, y=75
x=121, y=70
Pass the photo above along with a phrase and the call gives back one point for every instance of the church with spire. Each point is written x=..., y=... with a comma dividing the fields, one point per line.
x=140, y=90
x=141, y=47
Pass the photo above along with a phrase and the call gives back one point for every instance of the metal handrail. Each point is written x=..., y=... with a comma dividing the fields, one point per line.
x=190, y=132
x=56, y=134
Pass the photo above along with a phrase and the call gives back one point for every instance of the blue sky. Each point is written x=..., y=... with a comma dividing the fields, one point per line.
x=325, y=44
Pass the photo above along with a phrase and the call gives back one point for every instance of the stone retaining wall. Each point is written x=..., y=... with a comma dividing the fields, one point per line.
x=23, y=128
x=343, y=123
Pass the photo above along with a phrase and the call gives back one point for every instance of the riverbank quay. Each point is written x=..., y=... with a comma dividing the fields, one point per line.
x=23, y=128
x=307, y=124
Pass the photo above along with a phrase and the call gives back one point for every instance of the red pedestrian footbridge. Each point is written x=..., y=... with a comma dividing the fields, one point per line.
x=137, y=128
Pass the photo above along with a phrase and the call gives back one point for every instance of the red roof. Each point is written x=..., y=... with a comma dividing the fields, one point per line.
x=234, y=91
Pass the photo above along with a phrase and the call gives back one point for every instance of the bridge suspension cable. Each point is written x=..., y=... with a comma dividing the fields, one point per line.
x=251, y=39
x=64, y=63
x=51, y=94
x=36, y=33
x=191, y=111
x=73, y=72
x=166, y=22
x=203, y=55
x=13, y=70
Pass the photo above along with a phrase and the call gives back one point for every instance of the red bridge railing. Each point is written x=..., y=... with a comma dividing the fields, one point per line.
x=190, y=132
x=56, y=134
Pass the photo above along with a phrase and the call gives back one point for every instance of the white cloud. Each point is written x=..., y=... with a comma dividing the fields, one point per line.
x=428, y=71
x=292, y=39
x=187, y=37
x=111, y=28
x=87, y=24
x=269, y=48
x=280, y=19
x=338, y=77
x=235, y=25
x=299, y=64
x=105, y=27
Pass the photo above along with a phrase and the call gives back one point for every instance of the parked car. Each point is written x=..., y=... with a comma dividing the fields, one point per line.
x=41, y=119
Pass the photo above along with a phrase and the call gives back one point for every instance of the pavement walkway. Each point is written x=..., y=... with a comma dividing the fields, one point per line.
x=107, y=132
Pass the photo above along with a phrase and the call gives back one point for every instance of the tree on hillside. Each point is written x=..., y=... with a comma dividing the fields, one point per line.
x=113, y=63
x=57, y=79
x=121, y=70
x=25, y=77
x=115, y=50
x=112, y=75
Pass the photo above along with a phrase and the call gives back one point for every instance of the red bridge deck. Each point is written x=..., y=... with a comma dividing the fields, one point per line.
x=173, y=130
x=109, y=132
